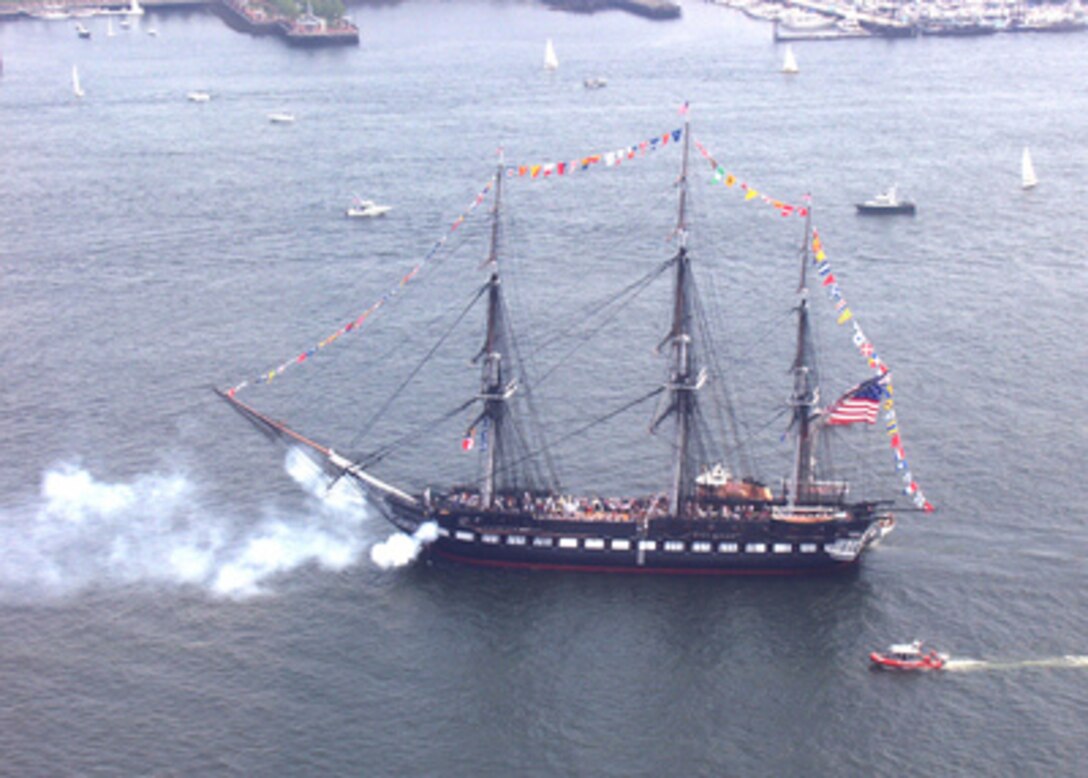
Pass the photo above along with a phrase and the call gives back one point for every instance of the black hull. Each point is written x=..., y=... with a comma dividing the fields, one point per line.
x=663, y=547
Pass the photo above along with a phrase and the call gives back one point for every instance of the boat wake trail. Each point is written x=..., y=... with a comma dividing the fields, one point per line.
x=82, y=533
x=973, y=665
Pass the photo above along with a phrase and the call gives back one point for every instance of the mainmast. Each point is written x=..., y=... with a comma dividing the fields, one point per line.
x=684, y=379
x=494, y=389
x=805, y=389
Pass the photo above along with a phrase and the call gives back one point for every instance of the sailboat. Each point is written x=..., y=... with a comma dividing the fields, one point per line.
x=702, y=520
x=551, y=62
x=1028, y=180
x=77, y=90
x=789, y=64
x=109, y=28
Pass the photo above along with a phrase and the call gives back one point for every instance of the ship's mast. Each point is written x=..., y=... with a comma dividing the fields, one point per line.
x=494, y=390
x=805, y=391
x=683, y=380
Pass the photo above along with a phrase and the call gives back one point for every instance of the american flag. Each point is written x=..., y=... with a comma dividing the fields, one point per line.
x=860, y=404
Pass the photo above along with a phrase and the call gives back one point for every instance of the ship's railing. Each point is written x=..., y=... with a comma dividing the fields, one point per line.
x=597, y=509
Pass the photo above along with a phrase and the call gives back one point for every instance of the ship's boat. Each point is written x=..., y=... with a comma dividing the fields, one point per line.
x=701, y=519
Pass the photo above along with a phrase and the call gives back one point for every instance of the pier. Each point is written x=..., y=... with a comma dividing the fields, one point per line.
x=255, y=18
x=810, y=20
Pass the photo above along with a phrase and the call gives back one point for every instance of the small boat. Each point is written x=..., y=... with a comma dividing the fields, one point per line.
x=789, y=64
x=281, y=118
x=77, y=90
x=153, y=32
x=82, y=31
x=1028, y=179
x=595, y=83
x=886, y=203
x=125, y=24
x=365, y=209
x=198, y=97
x=908, y=656
x=109, y=28
x=551, y=62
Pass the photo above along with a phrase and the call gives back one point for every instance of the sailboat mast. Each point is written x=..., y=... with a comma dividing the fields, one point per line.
x=804, y=396
x=492, y=384
x=682, y=383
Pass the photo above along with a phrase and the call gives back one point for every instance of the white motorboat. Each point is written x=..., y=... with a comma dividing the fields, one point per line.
x=366, y=209
x=886, y=203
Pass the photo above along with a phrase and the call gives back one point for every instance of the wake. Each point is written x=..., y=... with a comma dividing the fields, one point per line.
x=82, y=533
x=973, y=665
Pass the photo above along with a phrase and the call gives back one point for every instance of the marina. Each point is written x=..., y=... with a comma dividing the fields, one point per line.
x=826, y=21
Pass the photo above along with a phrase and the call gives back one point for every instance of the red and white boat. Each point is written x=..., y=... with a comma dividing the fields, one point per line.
x=908, y=656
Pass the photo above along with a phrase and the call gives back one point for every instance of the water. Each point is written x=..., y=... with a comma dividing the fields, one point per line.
x=176, y=596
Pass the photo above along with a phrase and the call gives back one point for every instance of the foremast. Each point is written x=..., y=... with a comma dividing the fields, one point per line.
x=685, y=377
x=511, y=455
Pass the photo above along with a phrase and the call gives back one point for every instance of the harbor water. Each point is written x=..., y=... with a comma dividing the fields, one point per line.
x=178, y=596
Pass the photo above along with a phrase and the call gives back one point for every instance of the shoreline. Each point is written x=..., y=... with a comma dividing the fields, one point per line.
x=9, y=11
x=826, y=20
x=649, y=9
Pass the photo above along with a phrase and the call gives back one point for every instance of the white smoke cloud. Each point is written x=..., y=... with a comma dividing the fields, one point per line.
x=82, y=533
x=400, y=549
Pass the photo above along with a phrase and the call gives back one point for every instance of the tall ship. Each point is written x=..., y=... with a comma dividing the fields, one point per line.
x=702, y=519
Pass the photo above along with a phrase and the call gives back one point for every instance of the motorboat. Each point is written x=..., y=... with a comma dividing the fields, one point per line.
x=908, y=656
x=886, y=203
x=365, y=209
x=281, y=118
x=198, y=97
x=595, y=83
x=82, y=31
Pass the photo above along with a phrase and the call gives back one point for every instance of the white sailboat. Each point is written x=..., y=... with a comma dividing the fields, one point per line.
x=77, y=90
x=551, y=62
x=135, y=9
x=1028, y=180
x=789, y=64
x=109, y=28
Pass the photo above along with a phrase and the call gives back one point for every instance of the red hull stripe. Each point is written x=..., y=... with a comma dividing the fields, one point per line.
x=733, y=571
